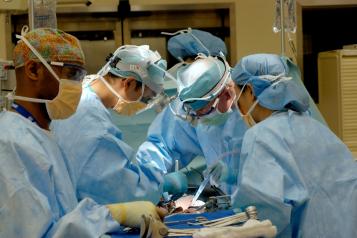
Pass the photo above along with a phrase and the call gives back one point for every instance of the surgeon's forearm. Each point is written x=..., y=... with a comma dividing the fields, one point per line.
x=155, y=154
x=88, y=219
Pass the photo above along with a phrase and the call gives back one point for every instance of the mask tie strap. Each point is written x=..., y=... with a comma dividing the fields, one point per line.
x=39, y=56
x=117, y=94
x=252, y=107
x=201, y=43
x=188, y=30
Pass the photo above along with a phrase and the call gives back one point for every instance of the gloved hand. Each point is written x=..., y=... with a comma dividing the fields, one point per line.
x=219, y=172
x=130, y=213
x=152, y=228
x=175, y=183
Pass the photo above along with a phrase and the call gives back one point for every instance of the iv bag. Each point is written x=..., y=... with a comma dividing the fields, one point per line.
x=289, y=8
x=291, y=18
x=277, y=23
x=43, y=14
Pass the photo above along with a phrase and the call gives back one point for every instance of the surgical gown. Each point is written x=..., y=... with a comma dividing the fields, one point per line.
x=37, y=198
x=300, y=176
x=171, y=138
x=99, y=161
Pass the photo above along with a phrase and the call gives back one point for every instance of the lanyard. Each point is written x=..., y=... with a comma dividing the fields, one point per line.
x=23, y=112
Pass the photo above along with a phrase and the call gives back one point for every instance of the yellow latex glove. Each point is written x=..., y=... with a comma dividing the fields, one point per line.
x=130, y=213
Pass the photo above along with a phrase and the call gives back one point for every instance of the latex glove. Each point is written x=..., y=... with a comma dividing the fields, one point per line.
x=152, y=228
x=130, y=213
x=219, y=172
x=175, y=183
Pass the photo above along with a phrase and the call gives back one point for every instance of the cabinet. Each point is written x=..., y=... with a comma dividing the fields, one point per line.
x=337, y=77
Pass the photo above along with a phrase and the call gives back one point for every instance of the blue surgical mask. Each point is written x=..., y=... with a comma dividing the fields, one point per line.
x=216, y=118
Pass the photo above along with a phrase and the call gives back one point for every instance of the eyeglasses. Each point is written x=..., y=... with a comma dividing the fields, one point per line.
x=204, y=105
x=71, y=71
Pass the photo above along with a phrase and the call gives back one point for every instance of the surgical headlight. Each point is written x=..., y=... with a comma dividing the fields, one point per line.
x=158, y=103
x=140, y=62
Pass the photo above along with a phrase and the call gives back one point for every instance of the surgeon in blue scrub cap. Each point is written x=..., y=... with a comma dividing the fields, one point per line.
x=188, y=43
x=100, y=162
x=172, y=135
x=202, y=121
x=292, y=167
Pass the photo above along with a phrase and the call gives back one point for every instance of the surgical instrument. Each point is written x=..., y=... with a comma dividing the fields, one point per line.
x=197, y=219
x=200, y=189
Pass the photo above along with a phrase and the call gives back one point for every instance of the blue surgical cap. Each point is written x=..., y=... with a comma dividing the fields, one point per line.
x=140, y=62
x=275, y=93
x=185, y=45
x=200, y=79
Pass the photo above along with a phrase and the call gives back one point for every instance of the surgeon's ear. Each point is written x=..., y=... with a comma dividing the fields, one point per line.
x=249, y=91
x=249, y=88
x=131, y=89
x=33, y=70
x=129, y=83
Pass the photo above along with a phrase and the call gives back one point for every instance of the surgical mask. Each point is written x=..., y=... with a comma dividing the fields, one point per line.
x=247, y=118
x=69, y=93
x=123, y=106
x=127, y=108
x=216, y=118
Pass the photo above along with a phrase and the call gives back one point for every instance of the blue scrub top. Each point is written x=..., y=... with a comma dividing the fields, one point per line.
x=37, y=197
x=300, y=176
x=102, y=166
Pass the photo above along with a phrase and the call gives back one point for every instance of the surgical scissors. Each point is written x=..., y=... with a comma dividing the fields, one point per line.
x=188, y=221
x=200, y=189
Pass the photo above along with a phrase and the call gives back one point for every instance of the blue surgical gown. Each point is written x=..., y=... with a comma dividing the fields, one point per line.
x=37, y=198
x=300, y=176
x=99, y=161
x=171, y=138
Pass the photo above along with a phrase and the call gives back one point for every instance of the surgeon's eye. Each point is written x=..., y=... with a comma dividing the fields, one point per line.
x=74, y=73
x=205, y=111
x=71, y=74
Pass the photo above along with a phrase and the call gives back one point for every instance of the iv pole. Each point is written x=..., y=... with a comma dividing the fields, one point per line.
x=31, y=14
x=282, y=27
x=287, y=28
